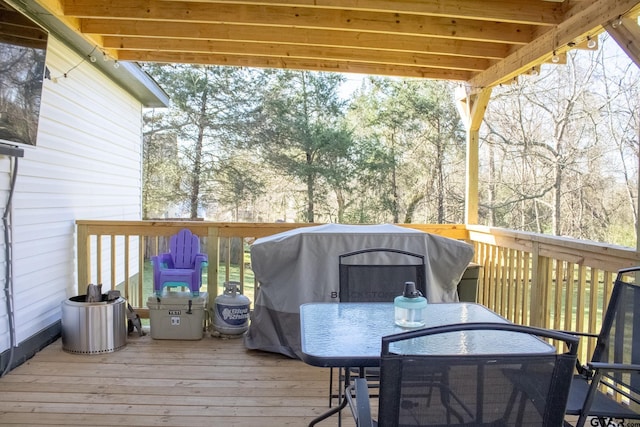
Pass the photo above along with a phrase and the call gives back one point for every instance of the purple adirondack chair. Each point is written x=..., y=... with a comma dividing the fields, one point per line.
x=182, y=266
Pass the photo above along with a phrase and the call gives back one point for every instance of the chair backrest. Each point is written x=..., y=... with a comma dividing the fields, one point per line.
x=516, y=389
x=184, y=247
x=379, y=274
x=619, y=338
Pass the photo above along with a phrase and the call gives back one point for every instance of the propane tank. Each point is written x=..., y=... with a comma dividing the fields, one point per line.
x=231, y=310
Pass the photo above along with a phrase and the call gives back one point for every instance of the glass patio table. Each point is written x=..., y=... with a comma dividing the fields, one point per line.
x=349, y=335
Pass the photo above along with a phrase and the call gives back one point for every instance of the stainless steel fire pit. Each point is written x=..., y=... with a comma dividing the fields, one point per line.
x=94, y=327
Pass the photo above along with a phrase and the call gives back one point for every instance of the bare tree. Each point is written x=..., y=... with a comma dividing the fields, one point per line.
x=550, y=137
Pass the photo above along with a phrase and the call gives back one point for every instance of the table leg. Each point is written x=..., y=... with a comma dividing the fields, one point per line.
x=337, y=409
x=330, y=412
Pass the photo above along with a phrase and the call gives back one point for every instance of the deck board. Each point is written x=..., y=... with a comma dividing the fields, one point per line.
x=206, y=382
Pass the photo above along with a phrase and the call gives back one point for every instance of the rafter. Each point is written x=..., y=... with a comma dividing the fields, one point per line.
x=626, y=33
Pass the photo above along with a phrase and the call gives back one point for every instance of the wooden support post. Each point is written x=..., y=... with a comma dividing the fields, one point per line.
x=472, y=176
x=471, y=108
x=625, y=33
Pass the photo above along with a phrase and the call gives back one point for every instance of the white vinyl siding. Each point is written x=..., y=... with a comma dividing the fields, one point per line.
x=87, y=165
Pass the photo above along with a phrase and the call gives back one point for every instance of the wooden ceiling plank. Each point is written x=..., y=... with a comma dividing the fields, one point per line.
x=588, y=21
x=531, y=12
x=297, y=51
x=295, y=63
x=389, y=23
x=379, y=42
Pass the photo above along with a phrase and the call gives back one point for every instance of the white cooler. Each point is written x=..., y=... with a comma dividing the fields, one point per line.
x=177, y=316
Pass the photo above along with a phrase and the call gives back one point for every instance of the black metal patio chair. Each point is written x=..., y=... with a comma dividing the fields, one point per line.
x=607, y=388
x=468, y=390
x=376, y=275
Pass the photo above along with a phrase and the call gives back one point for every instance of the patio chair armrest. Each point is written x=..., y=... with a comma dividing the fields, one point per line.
x=614, y=367
x=201, y=260
x=361, y=408
x=161, y=261
x=582, y=369
x=580, y=334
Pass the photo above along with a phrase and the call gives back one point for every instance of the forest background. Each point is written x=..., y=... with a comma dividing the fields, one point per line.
x=558, y=148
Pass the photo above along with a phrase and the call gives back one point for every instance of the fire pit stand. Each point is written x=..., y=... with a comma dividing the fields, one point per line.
x=94, y=327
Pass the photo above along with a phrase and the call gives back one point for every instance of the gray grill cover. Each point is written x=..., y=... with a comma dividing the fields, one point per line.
x=301, y=266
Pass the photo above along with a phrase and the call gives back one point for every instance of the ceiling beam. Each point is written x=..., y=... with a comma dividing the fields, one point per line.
x=291, y=17
x=627, y=35
x=583, y=21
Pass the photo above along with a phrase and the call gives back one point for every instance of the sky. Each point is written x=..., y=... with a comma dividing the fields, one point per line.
x=352, y=83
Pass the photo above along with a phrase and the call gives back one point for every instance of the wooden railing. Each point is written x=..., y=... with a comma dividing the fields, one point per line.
x=527, y=278
x=116, y=254
x=547, y=281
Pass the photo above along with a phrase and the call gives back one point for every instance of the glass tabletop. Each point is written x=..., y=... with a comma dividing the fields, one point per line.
x=349, y=334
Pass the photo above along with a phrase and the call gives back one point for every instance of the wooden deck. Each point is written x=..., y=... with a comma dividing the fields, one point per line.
x=210, y=382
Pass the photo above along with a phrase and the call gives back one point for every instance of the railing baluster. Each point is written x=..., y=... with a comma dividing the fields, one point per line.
x=493, y=282
x=519, y=292
x=511, y=302
x=593, y=317
x=127, y=273
x=142, y=244
x=241, y=265
x=213, y=251
x=568, y=306
x=502, y=280
x=113, y=261
x=580, y=303
x=526, y=284
x=99, y=259
x=559, y=294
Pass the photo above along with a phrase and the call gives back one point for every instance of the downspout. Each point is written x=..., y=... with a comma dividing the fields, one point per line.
x=14, y=153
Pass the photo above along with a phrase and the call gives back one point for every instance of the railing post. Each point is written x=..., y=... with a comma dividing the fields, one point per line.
x=213, y=253
x=539, y=285
x=84, y=272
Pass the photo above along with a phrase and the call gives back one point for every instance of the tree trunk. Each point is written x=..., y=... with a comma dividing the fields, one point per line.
x=310, y=194
x=197, y=160
x=440, y=175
